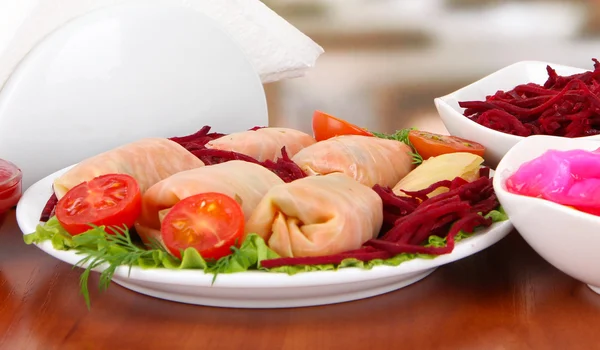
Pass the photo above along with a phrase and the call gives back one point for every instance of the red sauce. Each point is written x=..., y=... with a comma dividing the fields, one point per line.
x=10, y=187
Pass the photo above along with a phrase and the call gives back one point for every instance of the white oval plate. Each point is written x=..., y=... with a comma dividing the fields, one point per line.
x=256, y=289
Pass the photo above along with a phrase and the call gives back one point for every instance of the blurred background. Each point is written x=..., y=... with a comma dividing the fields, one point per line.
x=385, y=60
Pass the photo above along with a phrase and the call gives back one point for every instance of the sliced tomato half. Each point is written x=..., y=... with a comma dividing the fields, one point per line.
x=429, y=145
x=326, y=126
x=111, y=200
x=209, y=222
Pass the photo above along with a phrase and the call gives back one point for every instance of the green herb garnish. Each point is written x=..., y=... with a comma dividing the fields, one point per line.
x=402, y=136
x=116, y=249
x=226, y=263
x=120, y=249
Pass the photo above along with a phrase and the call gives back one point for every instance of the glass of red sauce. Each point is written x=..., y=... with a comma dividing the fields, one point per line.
x=10, y=187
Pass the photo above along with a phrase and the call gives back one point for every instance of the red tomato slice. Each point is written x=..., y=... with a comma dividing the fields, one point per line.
x=209, y=222
x=326, y=126
x=110, y=200
x=429, y=145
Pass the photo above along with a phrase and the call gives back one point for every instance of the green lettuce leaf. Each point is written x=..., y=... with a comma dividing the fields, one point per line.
x=53, y=231
x=497, y=215
x=247, y=257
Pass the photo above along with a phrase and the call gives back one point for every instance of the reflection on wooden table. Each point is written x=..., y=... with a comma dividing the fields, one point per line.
x=505, y=297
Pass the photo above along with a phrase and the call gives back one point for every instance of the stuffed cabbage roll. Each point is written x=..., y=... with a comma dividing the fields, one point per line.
x=369, y=160
x=244, y=181
x=317, y=215
x=263, y=144
x=148, y=160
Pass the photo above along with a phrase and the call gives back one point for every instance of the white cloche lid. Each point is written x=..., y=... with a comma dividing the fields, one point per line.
x=121, y=73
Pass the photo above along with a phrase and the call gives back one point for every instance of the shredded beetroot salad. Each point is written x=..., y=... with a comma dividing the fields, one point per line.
x=287, y=170
x=198, y=139
x=566, y=106
x=410, y=221
x=49, y=208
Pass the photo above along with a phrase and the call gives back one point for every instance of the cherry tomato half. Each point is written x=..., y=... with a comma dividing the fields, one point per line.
x=326, y=126
x=111, y=200
x=209, y=222
x=429, y=145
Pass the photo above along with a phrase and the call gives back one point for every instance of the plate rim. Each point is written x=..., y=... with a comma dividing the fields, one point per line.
x=250, y=279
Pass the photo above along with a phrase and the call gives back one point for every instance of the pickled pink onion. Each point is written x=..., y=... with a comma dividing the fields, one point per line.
x=569, y=178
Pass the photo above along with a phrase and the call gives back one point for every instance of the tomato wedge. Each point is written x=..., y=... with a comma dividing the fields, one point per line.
x=209, y=222
x=429, y=145
x=111, y=200
x=326, y=126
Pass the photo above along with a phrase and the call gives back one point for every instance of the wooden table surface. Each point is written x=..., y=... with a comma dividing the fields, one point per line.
x=505, y=297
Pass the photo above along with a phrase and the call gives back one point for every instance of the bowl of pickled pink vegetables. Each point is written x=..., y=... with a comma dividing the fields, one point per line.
x=524, y=99
x=550, y=188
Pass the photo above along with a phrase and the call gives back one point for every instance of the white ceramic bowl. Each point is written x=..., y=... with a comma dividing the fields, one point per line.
x=496, y=143
x=567, y=238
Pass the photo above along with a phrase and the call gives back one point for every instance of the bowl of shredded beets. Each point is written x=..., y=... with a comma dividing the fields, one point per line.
x=524, y=99
x=543, y=201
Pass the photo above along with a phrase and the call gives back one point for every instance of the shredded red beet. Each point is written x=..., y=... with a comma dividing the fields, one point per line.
x=49, y=208
x=422, y=194
x=406, y=227
x=412, y=220
x=394, y=207
x=287, y=170
x=284, y=167
x=484, y=172
x=468, y=223
x=566, y=106
x=215, y=156
x=198, y=139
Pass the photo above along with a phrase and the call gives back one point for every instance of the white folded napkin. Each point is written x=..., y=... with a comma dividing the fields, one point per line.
x=276, y=49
